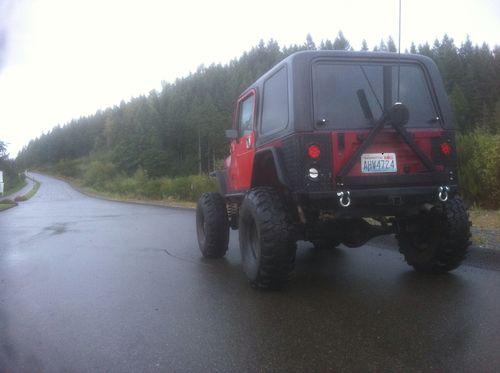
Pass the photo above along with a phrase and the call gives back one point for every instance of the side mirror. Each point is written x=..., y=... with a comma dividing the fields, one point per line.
x=232, y=134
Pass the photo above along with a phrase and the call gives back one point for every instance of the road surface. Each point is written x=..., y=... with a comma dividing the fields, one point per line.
x=91, y=285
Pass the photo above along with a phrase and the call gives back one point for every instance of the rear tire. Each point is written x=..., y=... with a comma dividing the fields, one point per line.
x=212, y=225
x=436, y=241
x=266, y=239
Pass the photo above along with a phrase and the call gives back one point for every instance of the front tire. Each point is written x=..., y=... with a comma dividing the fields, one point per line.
x=212, y=225
x=266, y=239
x=436, y=241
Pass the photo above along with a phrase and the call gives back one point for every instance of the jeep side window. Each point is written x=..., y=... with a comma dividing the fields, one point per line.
x=275, y=102
x=245, y=116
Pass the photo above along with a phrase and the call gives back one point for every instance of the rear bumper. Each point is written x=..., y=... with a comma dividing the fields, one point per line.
x=427, y=193
x=384, y=192
x=384, y=201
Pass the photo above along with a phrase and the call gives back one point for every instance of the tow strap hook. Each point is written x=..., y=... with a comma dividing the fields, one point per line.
x=344, y=198
x=443, y=193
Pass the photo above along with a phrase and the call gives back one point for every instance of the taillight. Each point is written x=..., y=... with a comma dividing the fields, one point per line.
x=314, y=151
x=445, y=148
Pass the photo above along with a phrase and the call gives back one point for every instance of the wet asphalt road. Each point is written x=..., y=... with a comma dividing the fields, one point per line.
x=91, y=285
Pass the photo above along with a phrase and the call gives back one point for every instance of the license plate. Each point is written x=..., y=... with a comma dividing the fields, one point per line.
x=378, y=162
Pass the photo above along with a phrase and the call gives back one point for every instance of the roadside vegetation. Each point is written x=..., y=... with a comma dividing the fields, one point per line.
x=12, y=188
x=485, y=219
x=97, y=175
x=151, y=146
x=485, y=227
x=479, y=167
x=12, y=176
x=31, y=193
x=7, y=204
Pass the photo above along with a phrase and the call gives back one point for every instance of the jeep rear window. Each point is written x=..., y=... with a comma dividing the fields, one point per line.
x=335, y=88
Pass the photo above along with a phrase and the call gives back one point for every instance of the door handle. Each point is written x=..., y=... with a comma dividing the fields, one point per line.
x=248, y=142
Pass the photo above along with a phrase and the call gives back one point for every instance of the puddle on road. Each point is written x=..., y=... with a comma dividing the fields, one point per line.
x=58, y=228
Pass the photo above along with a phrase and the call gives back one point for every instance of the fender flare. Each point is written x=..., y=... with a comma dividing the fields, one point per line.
x=278, y=165
x=221, y=176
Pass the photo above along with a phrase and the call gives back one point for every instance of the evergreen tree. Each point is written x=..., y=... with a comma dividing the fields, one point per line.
x=310, y=45
x=425, y=50
x=3, y=150
x=391, y=46
x=446, y=56
x=326, y=45
x=382, y=47
x=341, y=42
x=364, y=46
x=460, y=107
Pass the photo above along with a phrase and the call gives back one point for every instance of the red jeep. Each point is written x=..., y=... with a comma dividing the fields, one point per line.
x=339, y=147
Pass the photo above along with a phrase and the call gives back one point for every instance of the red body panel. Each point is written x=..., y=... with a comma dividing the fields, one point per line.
x=242, y=151
x=241, y=162
x=243, y=165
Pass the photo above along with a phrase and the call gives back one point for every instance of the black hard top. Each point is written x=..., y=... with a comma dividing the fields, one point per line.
x=307, y=57
x=299, y=67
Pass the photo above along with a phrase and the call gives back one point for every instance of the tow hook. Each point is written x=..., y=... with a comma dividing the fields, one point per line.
x=344, y=198
x=443, y=193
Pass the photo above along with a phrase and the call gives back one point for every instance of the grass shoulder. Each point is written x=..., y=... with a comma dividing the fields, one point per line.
x=485, y=227
x=172, y=192
x=130, y=197
x=15, y=188
x=170, y=202
x=485, y=219
x=7, y=204
x=32, y=192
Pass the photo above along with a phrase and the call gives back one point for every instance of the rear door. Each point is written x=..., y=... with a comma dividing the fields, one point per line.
x=243, y=149
x=339, y=108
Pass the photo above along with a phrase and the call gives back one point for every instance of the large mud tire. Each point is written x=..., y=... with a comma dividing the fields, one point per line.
x=212, y=225
x=267, y=241
x=436, y=241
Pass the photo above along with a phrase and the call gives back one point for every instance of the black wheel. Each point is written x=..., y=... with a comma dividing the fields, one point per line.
x=212, y=226
x=325, y=244
x=266, y=239
x=436, y=241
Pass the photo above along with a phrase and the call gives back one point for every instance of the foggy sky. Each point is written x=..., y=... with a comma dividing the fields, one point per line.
x=63, y=59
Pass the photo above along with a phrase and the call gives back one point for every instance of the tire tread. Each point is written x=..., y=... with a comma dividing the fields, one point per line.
x=276, y=237
x=453, y=242
x=213, y=206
